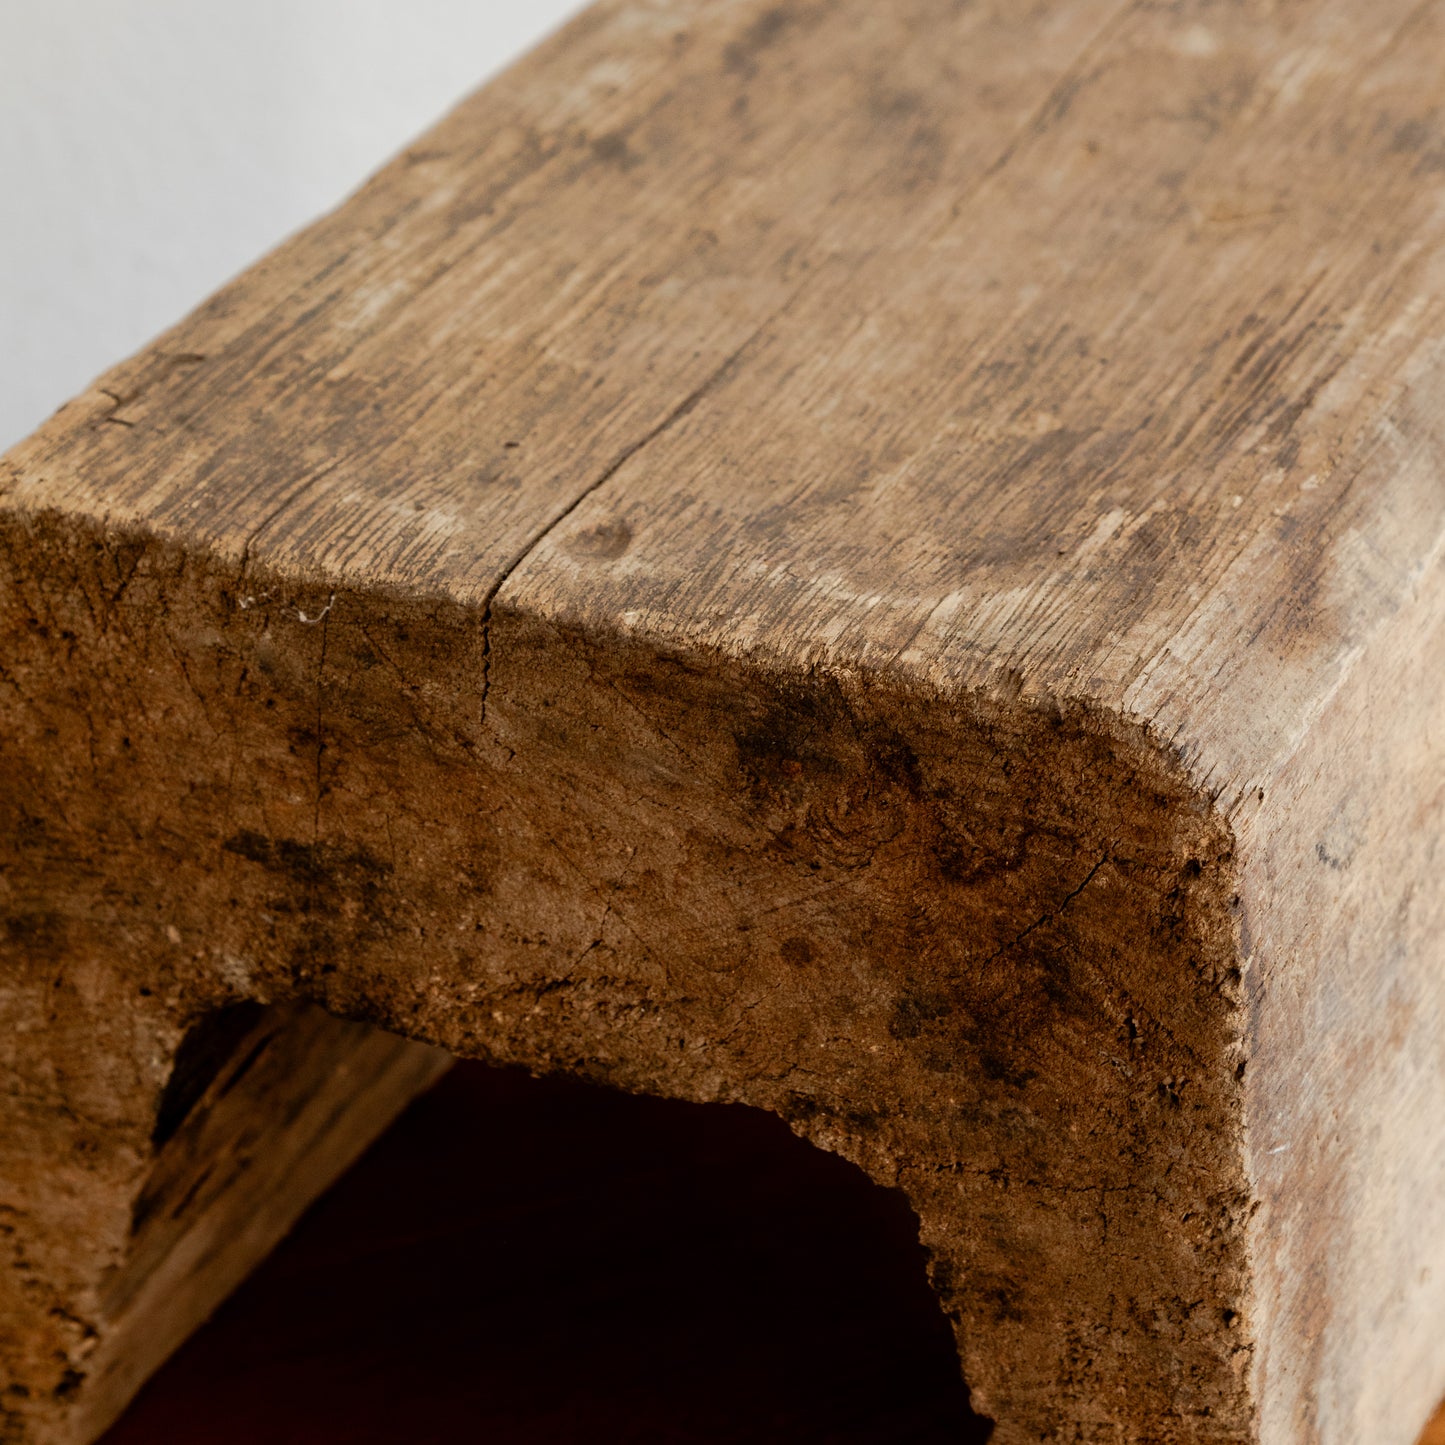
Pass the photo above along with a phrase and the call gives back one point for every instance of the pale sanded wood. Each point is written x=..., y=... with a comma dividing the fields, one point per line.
x=881, y=560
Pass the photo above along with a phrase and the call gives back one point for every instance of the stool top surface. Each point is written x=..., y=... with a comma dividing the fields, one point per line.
x=1078, y=348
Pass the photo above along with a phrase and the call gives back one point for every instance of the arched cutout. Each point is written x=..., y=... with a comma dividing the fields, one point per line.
x=544, y=1261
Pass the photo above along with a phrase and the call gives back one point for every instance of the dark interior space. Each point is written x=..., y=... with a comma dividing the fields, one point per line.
x=522, y=1260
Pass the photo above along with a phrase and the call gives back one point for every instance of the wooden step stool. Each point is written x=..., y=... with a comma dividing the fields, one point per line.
x=880, y=559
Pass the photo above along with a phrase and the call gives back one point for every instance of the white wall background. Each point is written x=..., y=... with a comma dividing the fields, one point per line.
x=149, y=149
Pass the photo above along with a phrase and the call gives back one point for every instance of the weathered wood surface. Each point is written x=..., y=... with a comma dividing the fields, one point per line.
x=291, y=1105
x=883, y=561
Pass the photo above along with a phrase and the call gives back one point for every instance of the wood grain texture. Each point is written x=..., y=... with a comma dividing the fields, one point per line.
x=293, y=1104
x=882, y=561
